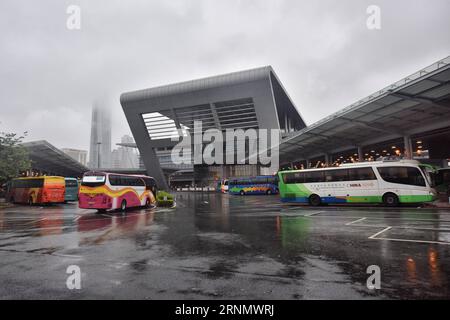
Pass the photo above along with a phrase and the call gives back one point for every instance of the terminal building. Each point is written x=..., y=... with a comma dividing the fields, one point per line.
x=248, y=99
x=408, y=119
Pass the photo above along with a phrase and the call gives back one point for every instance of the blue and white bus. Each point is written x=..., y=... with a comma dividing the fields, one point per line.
x=253, y=185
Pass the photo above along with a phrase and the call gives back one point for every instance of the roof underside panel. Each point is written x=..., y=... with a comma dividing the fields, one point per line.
x=285, y=107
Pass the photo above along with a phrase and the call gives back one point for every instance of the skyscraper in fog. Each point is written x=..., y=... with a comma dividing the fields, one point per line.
x=100, y=146
x=125, y=156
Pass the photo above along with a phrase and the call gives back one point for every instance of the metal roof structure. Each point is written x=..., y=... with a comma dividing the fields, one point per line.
x=160, y=116
x=47, y=157
x=415, y=104
x=164, y=122
x=199, y=84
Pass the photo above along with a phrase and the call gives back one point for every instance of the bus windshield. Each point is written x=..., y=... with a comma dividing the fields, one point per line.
x=93, y=181
x=71, y=183
x=428, y=171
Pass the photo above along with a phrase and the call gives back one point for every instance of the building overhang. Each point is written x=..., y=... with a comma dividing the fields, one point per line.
x=47, y=157
x=415, y=104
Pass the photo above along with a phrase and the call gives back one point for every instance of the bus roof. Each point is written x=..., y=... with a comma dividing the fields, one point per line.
x=38, y=177
x=117, y=174
x=266, y=176
x=415, y=162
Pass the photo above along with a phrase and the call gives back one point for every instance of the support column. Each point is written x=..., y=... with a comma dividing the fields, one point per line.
x=408, y=147
x=327, y=159
x=223, y=172
x=360, y=154
x=308, y=164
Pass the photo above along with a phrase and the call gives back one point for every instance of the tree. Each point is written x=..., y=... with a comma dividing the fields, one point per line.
x=13, y=156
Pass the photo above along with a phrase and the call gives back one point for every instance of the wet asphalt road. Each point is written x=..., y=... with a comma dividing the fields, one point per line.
x=214, y=246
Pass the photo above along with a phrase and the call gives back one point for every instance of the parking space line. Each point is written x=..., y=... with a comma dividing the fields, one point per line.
x=18, y=218
x=67, y=255
x=313, y=213
x=414, y=241
x=382, y=218
x=404, y=227
x=35, y=221
x=380, y=232
x=355, y=221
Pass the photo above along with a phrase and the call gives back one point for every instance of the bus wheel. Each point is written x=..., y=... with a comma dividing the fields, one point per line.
x=99, y=211
x=314, y=200
x=269, y=192
x=123, y=205
x=390, y=199
x=242, y=193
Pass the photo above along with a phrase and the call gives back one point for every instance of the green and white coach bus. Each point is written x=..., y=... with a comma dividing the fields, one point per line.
x=390, y=182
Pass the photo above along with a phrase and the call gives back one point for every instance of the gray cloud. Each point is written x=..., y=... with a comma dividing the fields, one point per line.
x=321, y=50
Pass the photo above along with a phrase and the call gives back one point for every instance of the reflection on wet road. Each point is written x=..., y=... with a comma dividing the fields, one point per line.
x=225, y=247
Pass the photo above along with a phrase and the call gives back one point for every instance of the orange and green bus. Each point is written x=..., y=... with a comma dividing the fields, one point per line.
x=37, y=190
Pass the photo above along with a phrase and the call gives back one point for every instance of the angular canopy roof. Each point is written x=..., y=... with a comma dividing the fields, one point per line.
x=47, y=157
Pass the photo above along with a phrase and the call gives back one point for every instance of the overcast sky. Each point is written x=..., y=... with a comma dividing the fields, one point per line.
x=322, y=51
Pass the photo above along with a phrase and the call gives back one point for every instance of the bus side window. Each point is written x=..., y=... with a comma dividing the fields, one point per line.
x=294, y=177
x=314, y=176
x=336, y=175
x=402, y=175
x=361, y=174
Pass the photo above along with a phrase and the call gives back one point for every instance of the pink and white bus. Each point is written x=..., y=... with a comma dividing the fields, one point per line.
x=108, y=191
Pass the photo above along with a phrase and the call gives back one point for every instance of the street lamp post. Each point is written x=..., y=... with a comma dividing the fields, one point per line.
x=98, y=154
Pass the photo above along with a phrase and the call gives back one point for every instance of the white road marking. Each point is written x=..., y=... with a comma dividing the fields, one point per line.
x=383, y=218
x=380, y=232
x=66, y=255
x=19, y=218
x=355, y=221
x=414, y=241
x=35, y=221
x=405, y=227
x=313, y=213
x=47, y=228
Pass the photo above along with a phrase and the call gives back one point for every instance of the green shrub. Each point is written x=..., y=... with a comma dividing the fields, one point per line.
x=165, y=199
